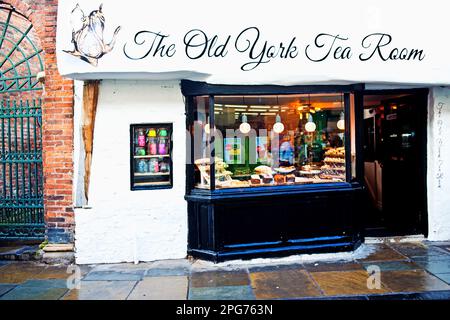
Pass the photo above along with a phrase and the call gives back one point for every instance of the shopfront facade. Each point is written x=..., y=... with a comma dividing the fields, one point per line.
x=251, y=140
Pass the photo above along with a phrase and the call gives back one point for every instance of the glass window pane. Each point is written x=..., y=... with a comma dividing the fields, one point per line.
x=201, y=138
x=277, y=140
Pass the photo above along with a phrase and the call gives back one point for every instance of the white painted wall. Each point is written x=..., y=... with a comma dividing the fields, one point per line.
x=439, y=164
x=123, y=225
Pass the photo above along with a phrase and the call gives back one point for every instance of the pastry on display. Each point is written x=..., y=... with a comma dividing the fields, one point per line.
x=263, y=170
x=255, y=179
x=334, y=160
x=267, y=178
x=239, y=184
x=279, y=178
x=285, y=169
x=290, y=178
x=336, y=152
x=334, y=165
x=310, y=172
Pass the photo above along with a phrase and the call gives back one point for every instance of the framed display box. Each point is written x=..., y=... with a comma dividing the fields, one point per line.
x=151, y=156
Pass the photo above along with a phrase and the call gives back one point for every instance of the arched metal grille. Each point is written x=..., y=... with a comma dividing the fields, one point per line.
x=21, y=183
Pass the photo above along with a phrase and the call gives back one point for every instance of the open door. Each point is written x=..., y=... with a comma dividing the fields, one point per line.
x=395, y=163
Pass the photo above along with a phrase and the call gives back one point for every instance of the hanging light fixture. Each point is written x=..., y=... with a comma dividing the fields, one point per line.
x=245, y=126
x=278, y=127
x=207, y=129
x=341, y=122
x=310, y=126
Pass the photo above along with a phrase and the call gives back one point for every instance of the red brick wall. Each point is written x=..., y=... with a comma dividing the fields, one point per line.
x=57, y=130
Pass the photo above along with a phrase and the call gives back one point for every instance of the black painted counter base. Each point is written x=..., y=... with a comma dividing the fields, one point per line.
x=274, y=222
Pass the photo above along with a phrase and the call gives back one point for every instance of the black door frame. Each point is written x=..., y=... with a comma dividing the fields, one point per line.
x=423, y=93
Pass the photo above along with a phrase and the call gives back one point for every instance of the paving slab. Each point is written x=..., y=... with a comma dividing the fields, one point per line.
x=162, y=272
x=334, y=283
x=54, y=283
x=17, y=278
x=131, y=275
x=221, y=293
x=435, y=265
x=382, y=252
x=332, y=266
x=219, y=279
x=172, y=264
x=437, y=243
x=286, y=284
x=392, y=265
x=101, y=290
x=278, y=268
x=4, y=288
x=433, y=295
x=412, y=281
x=34, y=293
x=446, y=248
x=444, y=276
x=24, y=267
x=53, y=272
x=417, y=249
x=161, y=288
x=121, y=267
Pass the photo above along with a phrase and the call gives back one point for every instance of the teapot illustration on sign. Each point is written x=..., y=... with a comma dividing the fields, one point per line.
x=87, y=35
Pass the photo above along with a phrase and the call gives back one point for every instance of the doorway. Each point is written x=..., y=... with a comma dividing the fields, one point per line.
x=394, y=149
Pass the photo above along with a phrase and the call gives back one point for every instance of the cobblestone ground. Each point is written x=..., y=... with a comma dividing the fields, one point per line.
x=407, y=271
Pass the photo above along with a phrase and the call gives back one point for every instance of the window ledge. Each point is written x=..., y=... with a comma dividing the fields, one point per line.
x=251, y=192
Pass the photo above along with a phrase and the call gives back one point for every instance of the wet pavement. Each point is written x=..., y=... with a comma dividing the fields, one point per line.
x=403, y=271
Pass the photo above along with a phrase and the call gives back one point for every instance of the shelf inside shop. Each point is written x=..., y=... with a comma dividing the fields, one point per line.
x=146, y=174
x=142, y=184
x=152, y=156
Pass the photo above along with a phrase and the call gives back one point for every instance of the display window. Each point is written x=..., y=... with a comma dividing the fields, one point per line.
x=245, y=141
x=151, y=156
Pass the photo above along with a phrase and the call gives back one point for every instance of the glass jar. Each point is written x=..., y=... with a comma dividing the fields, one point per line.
x=162, y=146
x=153, y=166
x=163, y=166
x=140, y=151
x=152, y=146
x=141, y=138
x=142, y=166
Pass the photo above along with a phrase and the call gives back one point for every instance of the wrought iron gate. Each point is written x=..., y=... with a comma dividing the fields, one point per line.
x=21, y=183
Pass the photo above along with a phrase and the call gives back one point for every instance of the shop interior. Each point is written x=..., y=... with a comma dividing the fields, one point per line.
x=272, y=140
x=395, y=163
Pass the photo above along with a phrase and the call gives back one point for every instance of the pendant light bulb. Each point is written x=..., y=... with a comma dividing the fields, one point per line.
x=244, y=127
x=207, y=128
x=310, y=126
x=341, y=122
x=278, y=127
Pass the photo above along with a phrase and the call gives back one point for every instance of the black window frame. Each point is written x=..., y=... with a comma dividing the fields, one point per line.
x=191, y=89
x=150, y=187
